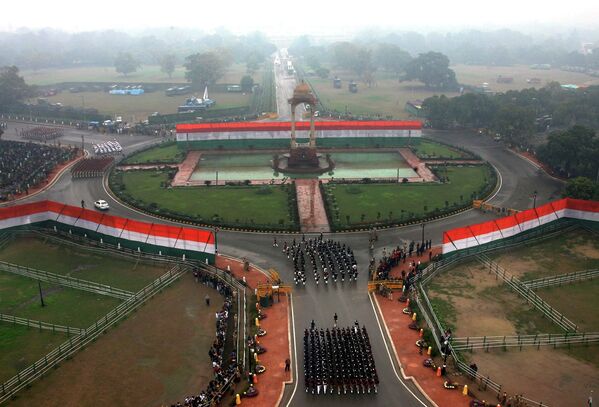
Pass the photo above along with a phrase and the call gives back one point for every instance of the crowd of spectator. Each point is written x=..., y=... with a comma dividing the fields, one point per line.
x=224, y=367
x=41, y=133
x=25, y=165
x=401, y=254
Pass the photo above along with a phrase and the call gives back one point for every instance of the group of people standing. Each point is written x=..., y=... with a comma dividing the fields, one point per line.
x=326, y=259
x=401, y=254
x=339, y=360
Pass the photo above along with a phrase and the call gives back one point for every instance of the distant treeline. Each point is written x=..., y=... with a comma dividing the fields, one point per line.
x=52, y=48
x=516, y=115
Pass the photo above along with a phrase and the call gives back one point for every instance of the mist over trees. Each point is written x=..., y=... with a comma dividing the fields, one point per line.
x=53, y=48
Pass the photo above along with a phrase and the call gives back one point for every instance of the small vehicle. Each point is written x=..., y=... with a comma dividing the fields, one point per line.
x=101, y=205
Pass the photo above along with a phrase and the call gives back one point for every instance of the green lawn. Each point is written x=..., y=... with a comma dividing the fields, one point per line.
x=19, y=296
x=21, y=346
x=252, y=205
x=572, y=251
x=138, y=108
x=476, y=74
x=430, y=149
x=579, y=302
x=147, y=74
x=397, y=202
x=79, y=263
x=165, y=153
x=387, y=97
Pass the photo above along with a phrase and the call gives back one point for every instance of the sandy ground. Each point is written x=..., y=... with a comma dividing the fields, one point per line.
x=156, y=356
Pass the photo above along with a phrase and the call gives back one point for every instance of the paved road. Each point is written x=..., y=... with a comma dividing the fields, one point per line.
x=285, y=84
x=349, y=300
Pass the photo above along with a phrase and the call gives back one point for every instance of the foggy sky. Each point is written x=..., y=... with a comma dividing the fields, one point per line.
x=298, y=17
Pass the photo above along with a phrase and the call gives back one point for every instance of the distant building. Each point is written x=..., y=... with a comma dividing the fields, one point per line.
x=414, y=107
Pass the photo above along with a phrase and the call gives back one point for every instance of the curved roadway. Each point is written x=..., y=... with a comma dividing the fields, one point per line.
x=349, y=300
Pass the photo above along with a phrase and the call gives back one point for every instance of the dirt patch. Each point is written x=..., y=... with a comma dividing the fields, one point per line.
x=157, y=356
x=547, y=375
x=589, y=250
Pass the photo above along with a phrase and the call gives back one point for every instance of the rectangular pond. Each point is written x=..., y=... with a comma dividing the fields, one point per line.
x=239, y=167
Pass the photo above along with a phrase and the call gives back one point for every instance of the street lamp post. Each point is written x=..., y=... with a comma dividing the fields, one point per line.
x=534, y=199
x=422, y=242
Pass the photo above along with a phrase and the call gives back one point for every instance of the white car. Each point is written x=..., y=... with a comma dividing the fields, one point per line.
x=101, y=205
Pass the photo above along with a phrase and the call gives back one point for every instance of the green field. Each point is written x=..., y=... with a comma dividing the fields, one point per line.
x=19, y=296
x=21, y=346
x=79, y=263
x=430, y=149
x=476, y=75
x=138, y=108
x=147, y=74
x=367, y=203
x=572, y=251
x=387, y=97
x=164, y=153
x=252, y=205
x=579, y=302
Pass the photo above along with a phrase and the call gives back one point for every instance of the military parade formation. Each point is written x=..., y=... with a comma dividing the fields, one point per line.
x=326, y=259
x=339, y=360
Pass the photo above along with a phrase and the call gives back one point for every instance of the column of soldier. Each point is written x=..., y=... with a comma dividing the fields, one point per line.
x=339, y=360
x=328, y=258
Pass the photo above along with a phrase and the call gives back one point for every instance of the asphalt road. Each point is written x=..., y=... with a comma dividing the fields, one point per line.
x=519, y=179
x=285, y=84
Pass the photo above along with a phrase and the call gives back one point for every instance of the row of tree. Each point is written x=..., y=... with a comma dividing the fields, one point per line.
x=53, y=48
x=431, y=68
x=516, y=115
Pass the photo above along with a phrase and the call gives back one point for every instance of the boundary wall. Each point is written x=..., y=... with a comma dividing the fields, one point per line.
x=167, y=240
x=475, y=238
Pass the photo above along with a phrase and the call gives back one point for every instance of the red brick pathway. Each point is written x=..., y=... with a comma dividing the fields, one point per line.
x=404, y=343
x=414, y=162
x=311, y=221
x=270, y=383
x=186, y=168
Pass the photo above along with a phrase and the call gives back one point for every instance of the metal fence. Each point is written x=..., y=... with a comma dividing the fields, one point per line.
x=66, y=281
x=30, y=323
x=528, y=294
x=485, y=382
x=490, y=342
x=67, y=349
x=76, y=343
x=563, y=279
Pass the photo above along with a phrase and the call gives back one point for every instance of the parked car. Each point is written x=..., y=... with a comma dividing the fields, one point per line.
x=101, y=205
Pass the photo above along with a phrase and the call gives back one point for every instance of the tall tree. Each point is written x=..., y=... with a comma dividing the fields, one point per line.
x=13, y=88
x=168, y=64
x=247, y=83
x=581, y=188
x=204, y=69
x=125, y=63
x=391, y=58
x=432, y=69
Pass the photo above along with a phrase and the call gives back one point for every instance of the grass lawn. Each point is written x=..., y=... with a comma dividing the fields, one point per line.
x=387, y=97
x=79, y=263
x=578, y=302
x=19, y=296
x=147, y=73
x=430, y=149
x=572, y=251
x=231, y=204
x=164, y=153
x=22, y=346
x=477, y=74
x=398, y=201
x=137, y=108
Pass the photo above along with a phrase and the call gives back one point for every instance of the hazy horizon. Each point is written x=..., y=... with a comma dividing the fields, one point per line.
x=308, y=17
